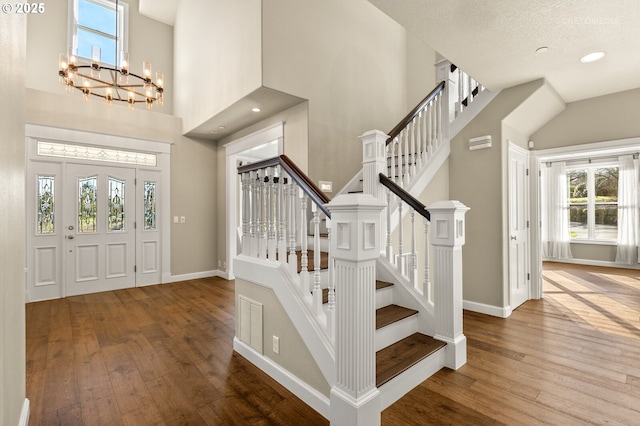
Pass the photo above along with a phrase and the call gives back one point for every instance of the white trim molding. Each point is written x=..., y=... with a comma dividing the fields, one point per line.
x=481, y=308
x=24, y=414
x=302, y=390
x=194, y=276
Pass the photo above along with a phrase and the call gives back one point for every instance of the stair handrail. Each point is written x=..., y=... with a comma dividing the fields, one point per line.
x=411, y=201
x=415, y=111
x=299, y=177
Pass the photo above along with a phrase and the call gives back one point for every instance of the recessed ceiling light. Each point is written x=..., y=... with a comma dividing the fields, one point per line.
x=592, y=57
x=256, y=109
x=542, y=49
x=220, y=127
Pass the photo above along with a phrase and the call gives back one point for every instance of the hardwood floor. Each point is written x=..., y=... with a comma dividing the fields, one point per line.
x=163, y=355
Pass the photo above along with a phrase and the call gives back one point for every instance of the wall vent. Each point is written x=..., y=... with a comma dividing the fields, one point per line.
x=480, y=142
x=250, y=323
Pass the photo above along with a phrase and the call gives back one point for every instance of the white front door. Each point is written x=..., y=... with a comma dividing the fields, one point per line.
x=518, y=226
x=99, y=228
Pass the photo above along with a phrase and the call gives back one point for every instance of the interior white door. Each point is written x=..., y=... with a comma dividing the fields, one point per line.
x=99, y=228
x=518, y=226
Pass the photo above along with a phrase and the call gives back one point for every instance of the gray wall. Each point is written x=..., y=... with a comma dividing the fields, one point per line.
x=604, y=118
x=476, y=178
x=294, y=355
x=13, y=39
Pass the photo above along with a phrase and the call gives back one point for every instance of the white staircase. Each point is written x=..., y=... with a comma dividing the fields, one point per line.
x=373, y=342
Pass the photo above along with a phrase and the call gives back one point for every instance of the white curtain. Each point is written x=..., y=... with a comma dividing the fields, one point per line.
x=628, y=238
x=555, y=236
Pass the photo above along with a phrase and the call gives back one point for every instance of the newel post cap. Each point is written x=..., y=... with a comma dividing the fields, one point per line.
x=447, y=220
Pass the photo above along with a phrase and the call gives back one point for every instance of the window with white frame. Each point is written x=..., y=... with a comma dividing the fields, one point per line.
x=98, y=23
x=592, y=200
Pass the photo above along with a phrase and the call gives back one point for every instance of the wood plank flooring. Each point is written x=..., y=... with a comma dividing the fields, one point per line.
x=162, y=355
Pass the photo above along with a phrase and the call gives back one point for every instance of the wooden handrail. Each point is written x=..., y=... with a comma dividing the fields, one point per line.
x=414, y=112
x=299, y=177
x=405, y=196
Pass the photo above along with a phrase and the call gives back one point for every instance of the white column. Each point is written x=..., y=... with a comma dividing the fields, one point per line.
x=374, y=162
x=355, y=247
x=447, y=239
x=443, y=73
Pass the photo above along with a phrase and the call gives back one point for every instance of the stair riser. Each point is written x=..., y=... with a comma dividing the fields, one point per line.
x=395, y=332
x=384, y=297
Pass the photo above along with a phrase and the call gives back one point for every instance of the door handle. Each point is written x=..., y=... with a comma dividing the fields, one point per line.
x=513, y=237
x=71, y=237
x=70, y=227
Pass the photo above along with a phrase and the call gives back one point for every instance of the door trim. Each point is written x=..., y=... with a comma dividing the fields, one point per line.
x=35, y=133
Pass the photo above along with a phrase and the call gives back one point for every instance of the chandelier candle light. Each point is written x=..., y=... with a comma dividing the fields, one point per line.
x=119, y=85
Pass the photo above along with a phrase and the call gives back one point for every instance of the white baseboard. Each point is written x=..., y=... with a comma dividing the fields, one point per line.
x=496, y=311
x=589, y=262
x=306, y=393
x=194, y=276
x=24, y=414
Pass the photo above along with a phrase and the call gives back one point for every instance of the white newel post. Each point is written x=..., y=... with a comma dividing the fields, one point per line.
x=355, y=247
x=374, y=162
x=450, y=95
x=447, y=239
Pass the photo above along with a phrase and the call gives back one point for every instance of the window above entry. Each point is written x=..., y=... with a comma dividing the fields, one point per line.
x=98, y=23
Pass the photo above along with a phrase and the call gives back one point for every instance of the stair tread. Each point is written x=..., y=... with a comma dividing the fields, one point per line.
x=379, y=285
x=392, y=313
x=399, y=357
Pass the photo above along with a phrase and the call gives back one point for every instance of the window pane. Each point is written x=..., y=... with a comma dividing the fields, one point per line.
x=87, y=39
x=606, y=185
x=578, y=197
x=46, y=205
x=149, y=206
x=116, y=212
x=606, y=221
x=578, y=221
x=98, y=17
x=87, y=205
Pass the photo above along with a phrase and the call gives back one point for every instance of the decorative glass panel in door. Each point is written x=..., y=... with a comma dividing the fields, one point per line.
x=46, y=205
x=116, y=213
x=149, y=206
x=87, y=205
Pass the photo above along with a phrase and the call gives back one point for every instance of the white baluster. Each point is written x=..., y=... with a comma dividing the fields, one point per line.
x=253, y=220
x=331, y=305
x=438, y=109
x=419, y=138
x=262, y=238
x=400, y=263
x=406, y=176
x=246, y=214
x=434, y=135
x=293, y=256
x=282, y=216
x=430, y=131
x=389, y=246
x=413, y=257
x=317, y=289
x=272, y=225
x=304, y=237
x=460, y=92
x=426, y=284
x=392, y=158
x=414, y=154
x=398, y=179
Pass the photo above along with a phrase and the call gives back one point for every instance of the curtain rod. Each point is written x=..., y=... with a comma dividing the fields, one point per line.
x=588, y=159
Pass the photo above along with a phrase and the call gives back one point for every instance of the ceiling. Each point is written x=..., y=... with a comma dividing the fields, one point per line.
x=495, y=41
